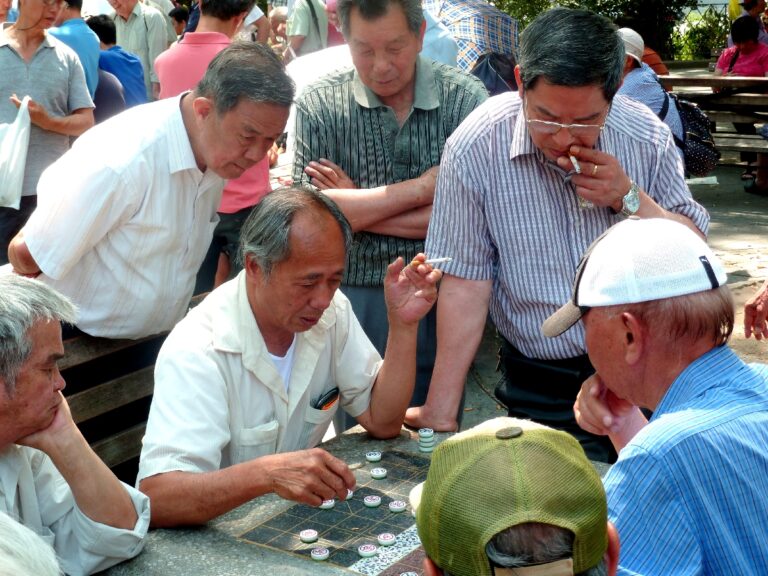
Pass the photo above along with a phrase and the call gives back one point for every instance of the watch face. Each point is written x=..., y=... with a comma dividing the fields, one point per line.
x=631, y=201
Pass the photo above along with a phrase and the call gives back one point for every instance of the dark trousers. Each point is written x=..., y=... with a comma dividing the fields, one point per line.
x=11, y=221
x=544, y=391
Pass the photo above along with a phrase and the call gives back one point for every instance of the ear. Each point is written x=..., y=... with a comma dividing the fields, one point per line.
x=517, y=79
x=422, y=31
x=634, y=338
x=612, y=553
x=430, y=568
x=252, y=270
x=203, y=107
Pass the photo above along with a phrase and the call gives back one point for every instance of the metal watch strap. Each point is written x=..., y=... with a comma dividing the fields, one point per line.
x=630, y=203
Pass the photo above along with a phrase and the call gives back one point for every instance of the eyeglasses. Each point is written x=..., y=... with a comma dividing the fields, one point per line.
x=50, y=3
x=585, y=131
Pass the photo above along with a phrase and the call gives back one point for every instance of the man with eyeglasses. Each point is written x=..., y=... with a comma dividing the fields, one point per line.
x=526, y=183
x=35, y=64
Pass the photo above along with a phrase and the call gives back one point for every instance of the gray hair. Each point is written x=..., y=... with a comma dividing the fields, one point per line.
x=246, y=70
x=225, y=9
x=266, y=233
x=24, y=553
x=534, y=543
x=372, y=9
x=572, y=48
x=24, y=302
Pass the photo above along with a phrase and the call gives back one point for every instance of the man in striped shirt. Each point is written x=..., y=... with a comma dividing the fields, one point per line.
x=689, y=492
x=371, y=138
x=526, y=183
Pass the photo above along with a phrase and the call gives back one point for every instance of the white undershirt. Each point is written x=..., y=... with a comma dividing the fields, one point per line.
x=284, y=364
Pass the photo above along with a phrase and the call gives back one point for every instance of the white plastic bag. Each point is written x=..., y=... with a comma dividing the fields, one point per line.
x=14, y=142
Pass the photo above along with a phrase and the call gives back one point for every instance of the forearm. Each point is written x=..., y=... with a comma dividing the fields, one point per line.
x=365, y=208
x=650, y=209
x=462, y=309
x=73, y=125
x=633, y=423
x=394, y=384
x=20, y=257
x=412, y=224
x=98, y=493
x=190, y=498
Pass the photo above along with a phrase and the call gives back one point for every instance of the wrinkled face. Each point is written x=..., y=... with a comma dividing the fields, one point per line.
x=384, y=52
x=584, y=105
x=299, y=289
x=231, y=143
x=38, y=14
x=36, y=396
x=123, y=8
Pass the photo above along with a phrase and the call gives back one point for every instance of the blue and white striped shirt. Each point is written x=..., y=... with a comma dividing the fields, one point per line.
x=506, y=213
x=689, y=494
x=641, y=84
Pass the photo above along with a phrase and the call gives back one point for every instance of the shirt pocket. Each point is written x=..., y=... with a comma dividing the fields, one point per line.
x=315, y=425
x=256, y=442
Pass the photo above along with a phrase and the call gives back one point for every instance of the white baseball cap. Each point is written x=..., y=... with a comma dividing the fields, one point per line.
x=633, y=43
x=638, y=260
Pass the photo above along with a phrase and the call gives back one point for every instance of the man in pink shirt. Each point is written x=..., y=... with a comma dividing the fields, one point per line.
x=179, y=69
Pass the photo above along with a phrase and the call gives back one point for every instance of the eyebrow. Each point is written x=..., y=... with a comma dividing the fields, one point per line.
x=546, y=112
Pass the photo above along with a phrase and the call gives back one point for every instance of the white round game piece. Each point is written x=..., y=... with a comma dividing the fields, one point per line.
x=386, y=539
x=350, y=493
x=320, y=554
x=374, y=456
x=425, y=443
x=372, y=501
x=328, y=504
x=308, y=536
x=426, y=450
x=409, y=574
x=426, y=433
x=378, y=473
x=367, y=550
x=397, y=506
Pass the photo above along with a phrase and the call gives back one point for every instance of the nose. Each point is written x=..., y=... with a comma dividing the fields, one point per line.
x=563, y=138
x=380, y=64
x=257, y=151
x=322, y=296
x=59, y=383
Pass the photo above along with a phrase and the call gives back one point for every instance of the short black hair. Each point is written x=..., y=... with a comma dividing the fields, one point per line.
x=744, y=29
x=225, y=9
x=75, y=4
x=104, y=27
x=180, y=14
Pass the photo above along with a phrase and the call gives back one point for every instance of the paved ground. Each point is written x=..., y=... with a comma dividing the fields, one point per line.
x=738, y=234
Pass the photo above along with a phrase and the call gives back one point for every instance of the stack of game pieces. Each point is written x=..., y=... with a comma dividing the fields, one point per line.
x=427, y=440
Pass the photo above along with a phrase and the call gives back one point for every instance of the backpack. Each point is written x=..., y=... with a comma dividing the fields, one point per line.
x=496, y=71
x=698, y=145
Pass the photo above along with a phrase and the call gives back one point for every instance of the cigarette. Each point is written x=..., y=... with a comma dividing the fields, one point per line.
x=432, y=261
x=576, y=165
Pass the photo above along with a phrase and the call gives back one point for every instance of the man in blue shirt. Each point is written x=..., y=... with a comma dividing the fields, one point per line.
x=126, y=66
x=689, y=491
x=74, y=32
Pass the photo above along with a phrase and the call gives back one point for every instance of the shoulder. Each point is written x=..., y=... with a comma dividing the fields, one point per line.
x=151, y=13
x=494, y=116
x=633, y=121
x=328, y=85
x=453, y=79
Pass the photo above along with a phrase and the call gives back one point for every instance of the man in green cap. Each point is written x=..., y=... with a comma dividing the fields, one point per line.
x=514, y=498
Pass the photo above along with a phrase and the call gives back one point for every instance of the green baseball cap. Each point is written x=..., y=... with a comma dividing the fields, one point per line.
x=502, y=473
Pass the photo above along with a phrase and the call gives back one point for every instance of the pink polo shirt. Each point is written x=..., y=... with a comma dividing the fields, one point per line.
x=179, y=69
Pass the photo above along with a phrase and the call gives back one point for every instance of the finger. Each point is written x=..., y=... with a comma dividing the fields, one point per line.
x=332, y=166
x=340, y=469
x=588, y=155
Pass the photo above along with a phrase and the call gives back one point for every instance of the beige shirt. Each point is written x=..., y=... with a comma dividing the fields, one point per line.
x=145, y=35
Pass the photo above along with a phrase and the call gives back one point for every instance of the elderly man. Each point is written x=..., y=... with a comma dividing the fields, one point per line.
x=514, y=497
x=35, y=64
x=252, y=377
x=372, y=137
x=50, y=479
x=694, y=479
x=526, y=183
x=141, y=30
x=124, y=223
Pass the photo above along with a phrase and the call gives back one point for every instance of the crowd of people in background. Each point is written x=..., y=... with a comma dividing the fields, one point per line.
x=147, y=180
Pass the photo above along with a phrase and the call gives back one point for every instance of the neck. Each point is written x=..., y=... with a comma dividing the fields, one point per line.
x=26, y=37
x=670, y=362
x=211, y=24
x=190, y=125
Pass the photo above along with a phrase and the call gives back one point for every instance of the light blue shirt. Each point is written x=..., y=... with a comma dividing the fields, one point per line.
x=439, y=44
x=76, y=34
x=641, y=84
x=689, y=494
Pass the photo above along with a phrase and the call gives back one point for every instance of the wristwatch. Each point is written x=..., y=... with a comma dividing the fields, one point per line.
x=631, y=201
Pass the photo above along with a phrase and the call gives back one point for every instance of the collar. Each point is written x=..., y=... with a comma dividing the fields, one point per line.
x=180, y=154
x=5, y=41
x=424, y=93
x=521, y=144
x=697, y=378
x=205, y=38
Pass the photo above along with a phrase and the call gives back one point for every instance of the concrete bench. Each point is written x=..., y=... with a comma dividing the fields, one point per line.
x=741, y=142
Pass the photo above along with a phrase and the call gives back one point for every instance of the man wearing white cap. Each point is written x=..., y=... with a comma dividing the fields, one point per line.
x=642, y=84
x=689, y=492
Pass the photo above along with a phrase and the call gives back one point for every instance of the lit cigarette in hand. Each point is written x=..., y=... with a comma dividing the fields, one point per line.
x=576, y=165
x=432, y=261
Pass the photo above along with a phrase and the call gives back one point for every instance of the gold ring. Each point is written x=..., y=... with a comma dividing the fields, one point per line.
x=594, y=169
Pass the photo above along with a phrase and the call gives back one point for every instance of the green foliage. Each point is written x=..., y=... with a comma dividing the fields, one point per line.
x=523, y=10
x=701, y=35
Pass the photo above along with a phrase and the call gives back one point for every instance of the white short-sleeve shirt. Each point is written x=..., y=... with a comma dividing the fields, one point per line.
x=124, y=220
x=219, y=399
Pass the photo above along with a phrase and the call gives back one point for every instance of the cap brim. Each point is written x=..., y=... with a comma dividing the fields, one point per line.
x=562, y=320
x=414, y=497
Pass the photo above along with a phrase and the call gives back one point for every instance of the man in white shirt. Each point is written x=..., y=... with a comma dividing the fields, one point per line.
x=50, y=479
x=253, y=376
x=124, y=219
